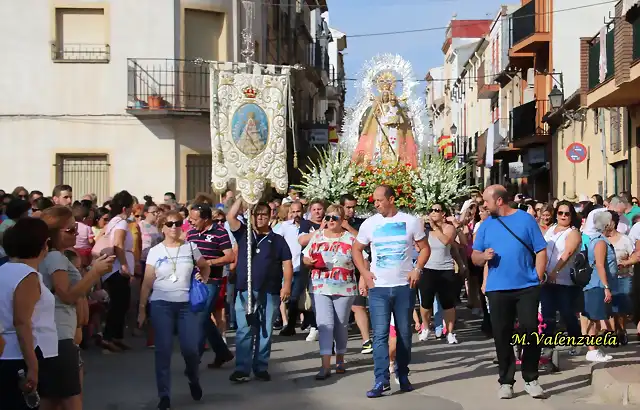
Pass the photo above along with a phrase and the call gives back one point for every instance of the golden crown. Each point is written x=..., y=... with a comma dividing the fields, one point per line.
x=386, y=81
x=250, y=92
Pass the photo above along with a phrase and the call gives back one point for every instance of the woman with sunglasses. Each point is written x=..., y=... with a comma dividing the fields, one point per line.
x=439, y=277
x=559, y=293
x=69, y=287
x=168, y=274
x=334, y=286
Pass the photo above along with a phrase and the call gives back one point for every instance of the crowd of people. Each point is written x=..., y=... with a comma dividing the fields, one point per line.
x=75, y=273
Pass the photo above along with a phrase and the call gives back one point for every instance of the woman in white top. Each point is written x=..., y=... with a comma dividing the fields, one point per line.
x=168, y=273
x=116, y=283
x=70, y=289
x=26, y=315
x=559, y=293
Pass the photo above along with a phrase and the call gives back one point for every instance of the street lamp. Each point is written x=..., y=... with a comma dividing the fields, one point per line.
x=454, y=130
x=556, y=98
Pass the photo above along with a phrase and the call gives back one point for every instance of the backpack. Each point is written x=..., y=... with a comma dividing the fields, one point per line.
x=581, y=271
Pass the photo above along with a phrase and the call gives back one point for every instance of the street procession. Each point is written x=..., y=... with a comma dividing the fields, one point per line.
x=231, y=206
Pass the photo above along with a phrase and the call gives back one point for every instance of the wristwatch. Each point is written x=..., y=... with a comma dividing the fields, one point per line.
x=607, y=287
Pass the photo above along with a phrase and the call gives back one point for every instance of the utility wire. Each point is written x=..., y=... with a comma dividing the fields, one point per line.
x=420, y=30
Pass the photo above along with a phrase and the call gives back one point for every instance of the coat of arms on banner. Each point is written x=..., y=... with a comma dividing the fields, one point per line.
x=248, y=131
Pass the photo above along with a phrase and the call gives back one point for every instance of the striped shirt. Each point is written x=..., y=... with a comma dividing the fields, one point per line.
x=211, y=243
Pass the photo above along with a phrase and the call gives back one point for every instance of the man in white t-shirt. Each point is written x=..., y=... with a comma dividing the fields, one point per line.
x=390, y=281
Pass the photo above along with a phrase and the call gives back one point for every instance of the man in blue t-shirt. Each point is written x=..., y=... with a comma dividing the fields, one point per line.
x=512, y=245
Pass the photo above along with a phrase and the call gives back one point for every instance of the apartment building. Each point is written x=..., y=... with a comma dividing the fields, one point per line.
x=106, y=96
x=610, y=80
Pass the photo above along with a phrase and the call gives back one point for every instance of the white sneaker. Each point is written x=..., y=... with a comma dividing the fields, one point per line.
x=438, y=332
x=313, y=335
x=424, y=335
x=451, y=338
x=597, y=356
x=392, y=372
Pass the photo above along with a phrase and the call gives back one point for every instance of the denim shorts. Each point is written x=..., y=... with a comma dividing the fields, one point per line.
x=594, y=306
x=622, y=303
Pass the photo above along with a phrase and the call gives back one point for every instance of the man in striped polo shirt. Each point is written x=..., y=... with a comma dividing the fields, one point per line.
x=213, y=242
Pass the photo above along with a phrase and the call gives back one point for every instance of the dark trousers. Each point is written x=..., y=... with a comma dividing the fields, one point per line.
x=119, y=290
x=506, y=306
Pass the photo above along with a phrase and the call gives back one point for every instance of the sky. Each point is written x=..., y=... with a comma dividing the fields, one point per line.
x=422, y=49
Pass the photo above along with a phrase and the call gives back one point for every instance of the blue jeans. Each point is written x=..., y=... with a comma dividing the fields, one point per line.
x=164, y=318
x=231, y=297
x=209, y=331
x=438, y=318
x=253, y=346
x=399, y=300
x=564, y=299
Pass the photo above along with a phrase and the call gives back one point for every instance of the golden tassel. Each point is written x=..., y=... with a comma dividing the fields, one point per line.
x=295, y=159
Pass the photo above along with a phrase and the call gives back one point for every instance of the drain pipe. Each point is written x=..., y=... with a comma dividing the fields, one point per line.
x=603, y=150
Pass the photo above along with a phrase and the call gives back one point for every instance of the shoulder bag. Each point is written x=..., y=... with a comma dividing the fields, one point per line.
x=199, y=291
x=533, y=254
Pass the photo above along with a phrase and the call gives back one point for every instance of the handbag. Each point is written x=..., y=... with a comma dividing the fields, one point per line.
x=199, y=291
x=104, y=244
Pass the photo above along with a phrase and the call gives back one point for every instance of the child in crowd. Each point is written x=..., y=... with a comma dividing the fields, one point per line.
x=393, y=338
x=84, y=238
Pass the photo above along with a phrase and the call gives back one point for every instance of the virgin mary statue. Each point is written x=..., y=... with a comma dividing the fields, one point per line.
x=386, y=135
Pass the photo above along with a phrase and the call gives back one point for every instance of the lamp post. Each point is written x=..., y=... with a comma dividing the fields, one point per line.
x=556, y=98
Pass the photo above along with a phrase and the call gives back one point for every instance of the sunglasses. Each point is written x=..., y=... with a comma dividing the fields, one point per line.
x=171, y=224
x=562, y=213
x=333, y=218
x=35, y=210
x=436, y=210
x=220, y=221
x=72, y=230
x=138, y=216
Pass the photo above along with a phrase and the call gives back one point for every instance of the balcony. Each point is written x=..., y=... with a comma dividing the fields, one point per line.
x=486, y=90
x=336, y=88
x=594, y=60
x=80, y=53
x=161, y=87
x=502, y=137
x=527, y=125
x=530, y=27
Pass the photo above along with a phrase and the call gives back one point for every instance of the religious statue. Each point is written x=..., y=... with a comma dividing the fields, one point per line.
x=387, y=135
x=250, y=139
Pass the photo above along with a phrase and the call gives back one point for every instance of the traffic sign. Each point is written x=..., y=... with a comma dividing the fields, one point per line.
x=576, y=152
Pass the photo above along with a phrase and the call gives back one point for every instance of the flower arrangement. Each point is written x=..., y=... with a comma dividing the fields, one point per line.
x=417, y=189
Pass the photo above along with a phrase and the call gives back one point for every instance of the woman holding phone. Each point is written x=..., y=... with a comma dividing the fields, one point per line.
x=333, y=286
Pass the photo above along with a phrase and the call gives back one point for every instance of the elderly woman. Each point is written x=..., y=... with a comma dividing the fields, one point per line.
x=334, y=287
x=168, y=273
x=69, y=287
x=26, y=316
x=598, y=292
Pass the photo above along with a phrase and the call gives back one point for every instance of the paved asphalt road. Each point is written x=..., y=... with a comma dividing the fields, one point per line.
x=445, y=377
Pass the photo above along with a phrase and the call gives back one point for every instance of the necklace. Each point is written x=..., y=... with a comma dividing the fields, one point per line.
x=174, y=262
x=256, y=242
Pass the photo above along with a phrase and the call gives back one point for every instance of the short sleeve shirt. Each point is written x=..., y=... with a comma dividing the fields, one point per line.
x=269, y=251
x=173, y=268
x=337, y=277
x=513, y=266
x=65, y=315
x=212, y=243
x=392, y=241
x=85, y=234
x=116, y=224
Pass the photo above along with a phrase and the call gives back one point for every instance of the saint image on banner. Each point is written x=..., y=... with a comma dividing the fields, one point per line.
x=250, y=129
x=386, y=134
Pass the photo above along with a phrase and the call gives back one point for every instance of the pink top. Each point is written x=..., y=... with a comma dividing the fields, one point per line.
x=470, y=239
x=85, y=233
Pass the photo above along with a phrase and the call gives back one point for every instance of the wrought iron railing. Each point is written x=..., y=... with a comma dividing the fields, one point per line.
x=526, y=120
x=534, y=17
x=168, y=84
x=80, y=52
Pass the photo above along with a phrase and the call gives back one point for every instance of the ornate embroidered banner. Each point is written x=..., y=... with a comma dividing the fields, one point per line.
x=248, y=131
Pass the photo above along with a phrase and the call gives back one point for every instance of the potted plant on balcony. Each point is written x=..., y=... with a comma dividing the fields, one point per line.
x=155, y=101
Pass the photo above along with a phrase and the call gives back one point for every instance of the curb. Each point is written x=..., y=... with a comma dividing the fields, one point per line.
x=610, y=389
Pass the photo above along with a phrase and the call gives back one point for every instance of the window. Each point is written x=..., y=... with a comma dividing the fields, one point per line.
x=614, y=134
x=81, y=36
x=87, y=174
x=621, y=176
x=199, y=169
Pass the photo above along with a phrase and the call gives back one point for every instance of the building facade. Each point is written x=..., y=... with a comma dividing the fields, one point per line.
x=123, y=103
